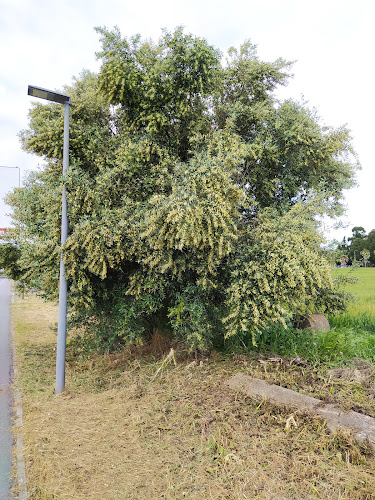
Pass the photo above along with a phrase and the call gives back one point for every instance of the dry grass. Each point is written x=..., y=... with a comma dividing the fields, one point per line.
x=120, y=432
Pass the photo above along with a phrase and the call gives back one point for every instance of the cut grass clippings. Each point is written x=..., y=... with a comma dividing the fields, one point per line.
x=131, y=426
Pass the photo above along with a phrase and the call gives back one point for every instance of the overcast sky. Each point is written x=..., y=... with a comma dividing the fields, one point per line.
x=46, y=43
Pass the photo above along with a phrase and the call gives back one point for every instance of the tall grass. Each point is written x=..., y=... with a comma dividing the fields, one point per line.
x=362, y=321
x=352, y=333
x=334, y=346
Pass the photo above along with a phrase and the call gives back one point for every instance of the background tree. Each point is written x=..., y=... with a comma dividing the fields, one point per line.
x=9, y=261
x=344, y=260
x=365, y=256
x=370, y=244
x=358, y=242
x=192, y=194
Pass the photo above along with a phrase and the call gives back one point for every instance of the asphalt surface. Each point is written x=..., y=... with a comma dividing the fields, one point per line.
x=6, y=403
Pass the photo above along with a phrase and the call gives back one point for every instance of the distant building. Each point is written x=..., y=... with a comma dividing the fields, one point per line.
x=3, y=232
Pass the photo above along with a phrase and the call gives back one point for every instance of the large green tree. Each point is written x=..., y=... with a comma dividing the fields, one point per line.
x=370, y=244
x=192, y=194
x=358, y=242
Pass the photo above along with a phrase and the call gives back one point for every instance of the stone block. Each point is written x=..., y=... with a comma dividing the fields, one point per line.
x=362, y=426
x=315, y=322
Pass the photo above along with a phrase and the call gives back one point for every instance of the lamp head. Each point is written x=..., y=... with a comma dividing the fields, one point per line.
x=49, y=95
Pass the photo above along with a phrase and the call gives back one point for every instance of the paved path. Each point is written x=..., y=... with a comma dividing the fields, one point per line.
x=6, y=439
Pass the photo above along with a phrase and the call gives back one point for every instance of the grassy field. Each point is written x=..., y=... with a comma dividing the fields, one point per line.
x=363, y=290
x=130, y=427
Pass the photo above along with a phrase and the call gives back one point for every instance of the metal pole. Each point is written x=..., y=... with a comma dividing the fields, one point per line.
x=61, y=330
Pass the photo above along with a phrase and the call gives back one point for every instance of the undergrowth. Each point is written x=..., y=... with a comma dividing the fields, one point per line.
x=352, y=334
x=336, y=346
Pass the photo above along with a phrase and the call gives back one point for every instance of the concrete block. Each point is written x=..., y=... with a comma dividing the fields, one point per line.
x=362, y=426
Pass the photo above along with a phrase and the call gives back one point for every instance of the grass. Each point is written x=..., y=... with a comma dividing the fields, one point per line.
x=363, y=288
x=333, y=347
x=352, y=333
x=132, y=427
x=361, y=313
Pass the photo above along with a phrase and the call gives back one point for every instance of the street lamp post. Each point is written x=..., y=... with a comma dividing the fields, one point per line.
x=63, y=288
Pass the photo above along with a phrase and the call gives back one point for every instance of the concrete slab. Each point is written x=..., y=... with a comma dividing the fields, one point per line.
x=362, y=426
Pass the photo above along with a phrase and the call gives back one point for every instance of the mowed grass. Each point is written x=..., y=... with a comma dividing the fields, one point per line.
x=130, y=426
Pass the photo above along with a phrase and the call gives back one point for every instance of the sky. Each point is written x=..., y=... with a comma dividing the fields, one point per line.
x=46, y=44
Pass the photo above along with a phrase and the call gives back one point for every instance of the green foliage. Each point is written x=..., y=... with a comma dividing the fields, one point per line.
x=365, y=256
x=192, y=194
x=163, y=89
x=338, y=345
x=361, y=321
x=279, y=271
x=194, y=318
x=93, y=127
x=9, y=261
x=352, y=333
x=288, y=153
x=358, y=243
x=128, y=319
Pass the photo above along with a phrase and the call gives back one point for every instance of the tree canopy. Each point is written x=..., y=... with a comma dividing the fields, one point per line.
x=192, y=193
x=9, y=257
x=358, y=242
